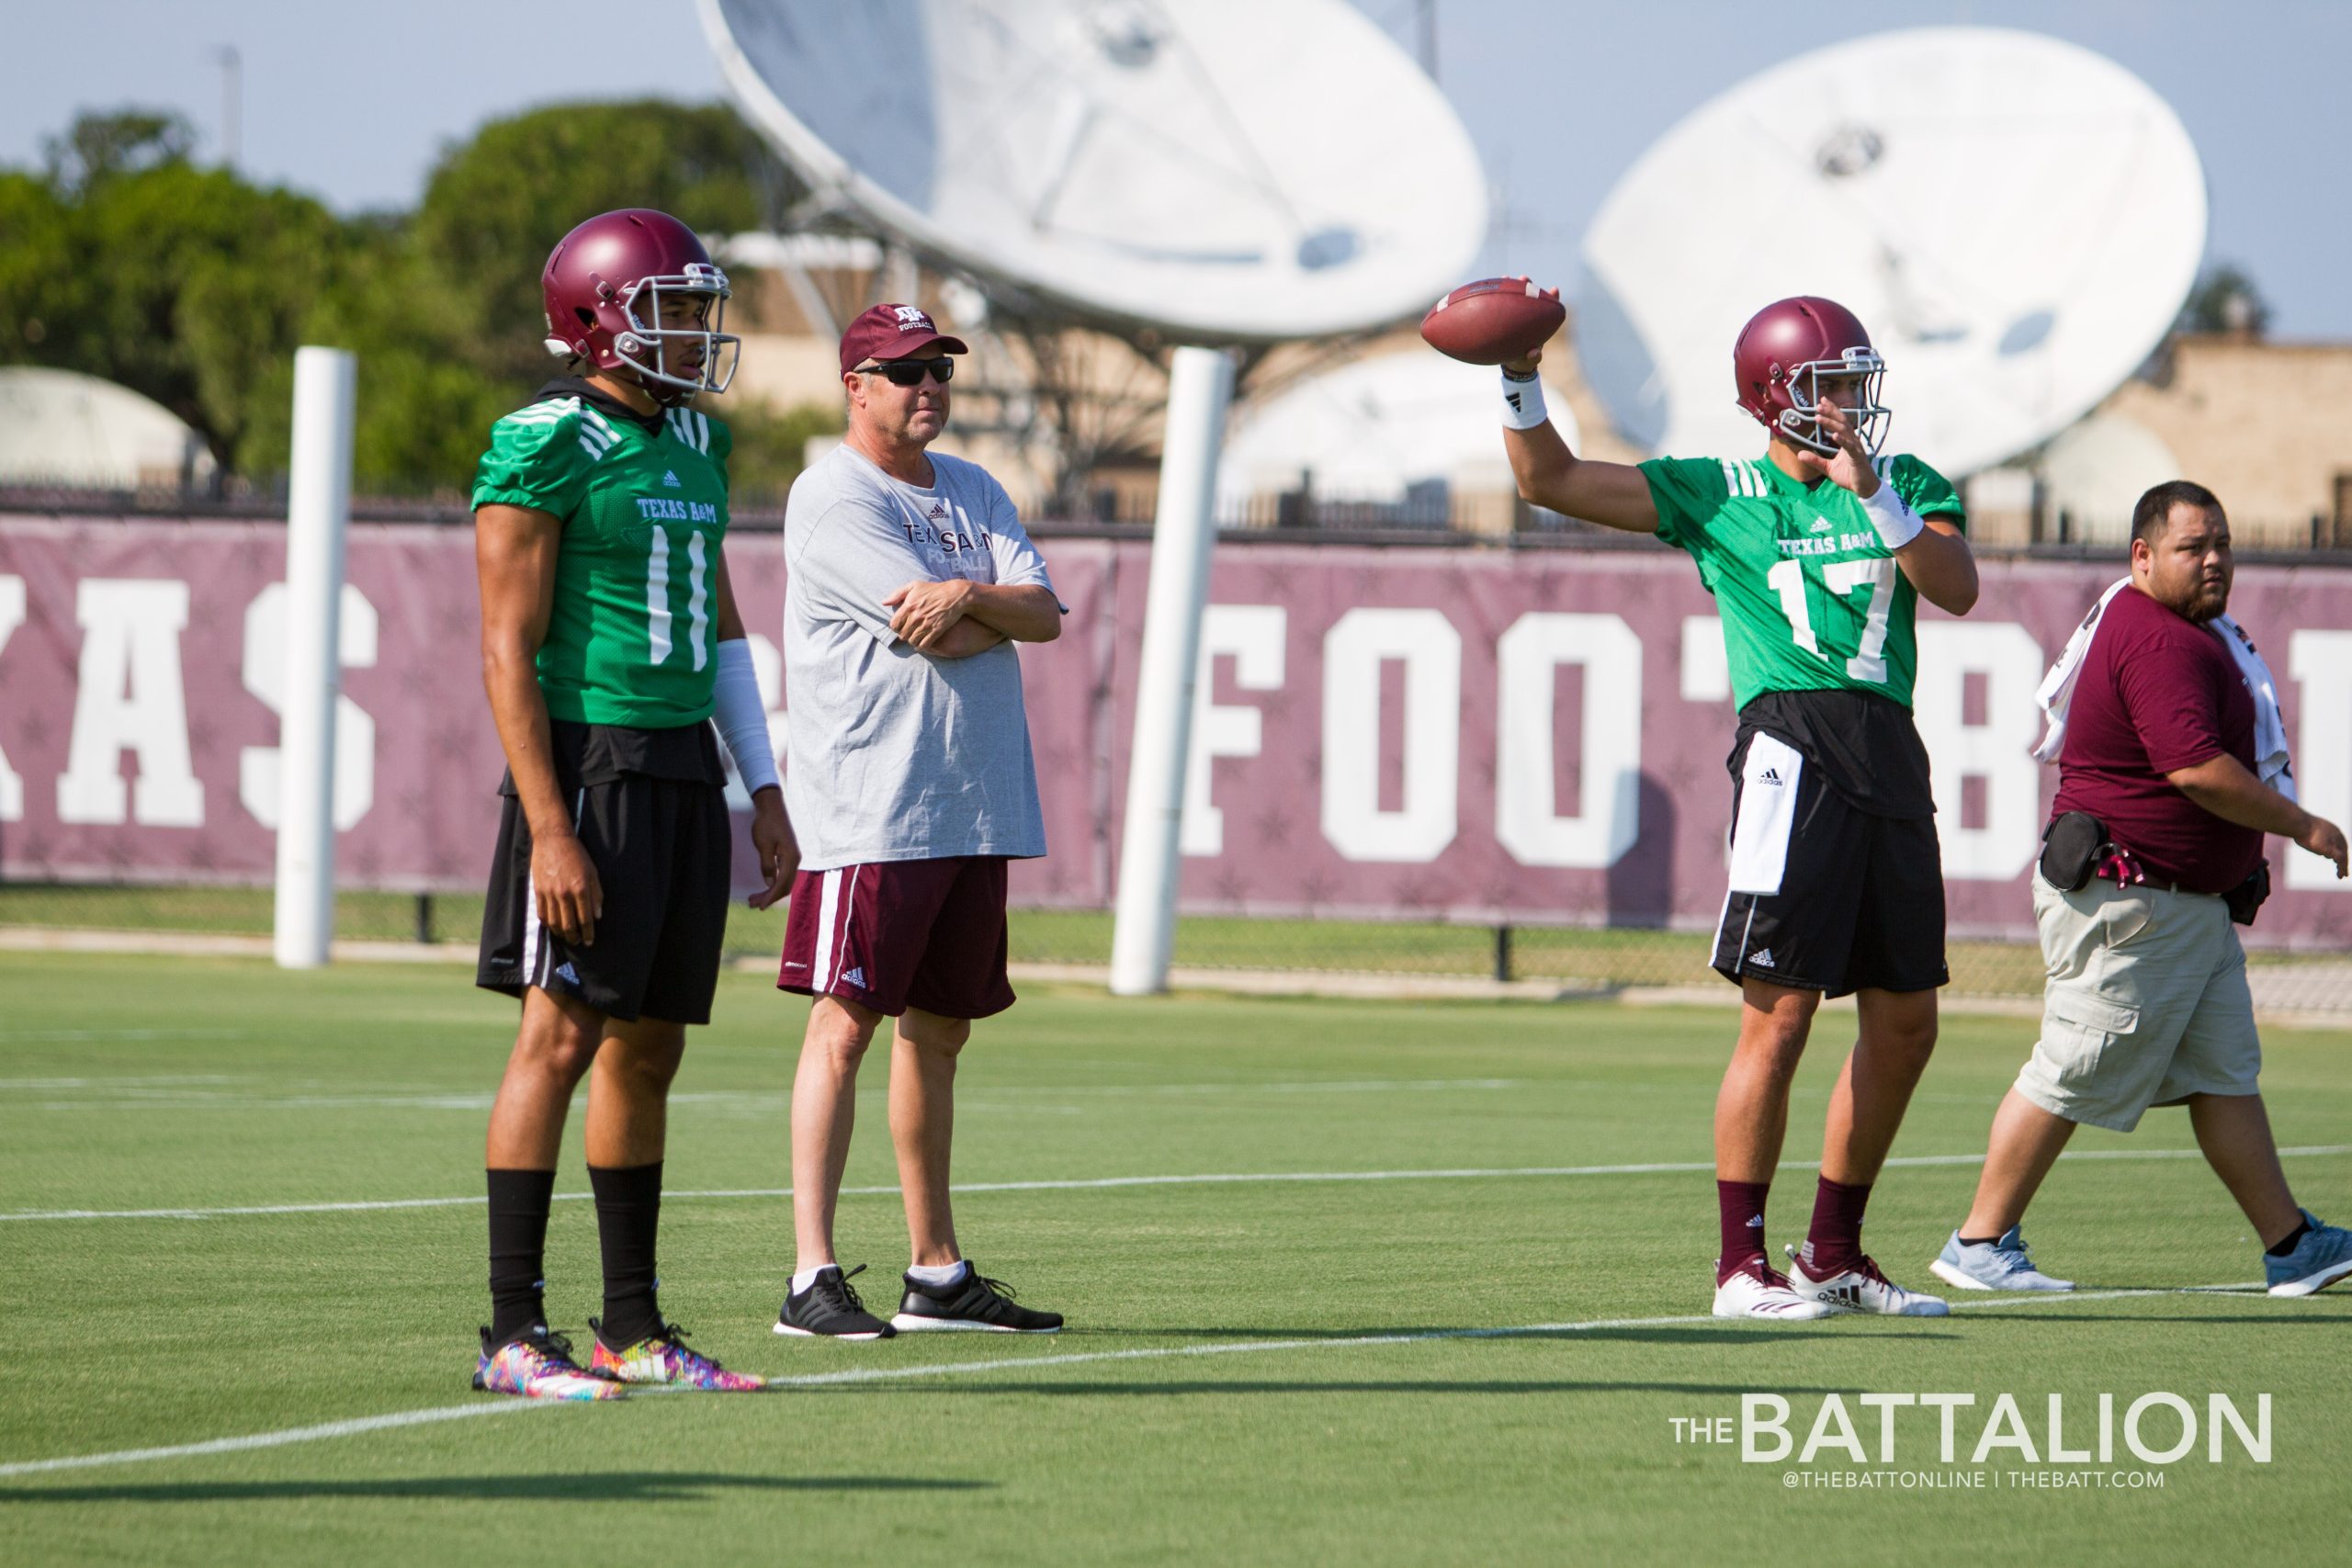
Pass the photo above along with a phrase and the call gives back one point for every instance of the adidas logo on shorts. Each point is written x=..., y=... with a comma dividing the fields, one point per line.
x=1770, y=776
x=1763, y=960
x=855, y=977
x=566, y=972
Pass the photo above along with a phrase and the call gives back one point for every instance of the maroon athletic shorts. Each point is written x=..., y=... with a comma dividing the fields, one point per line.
x=919, y=934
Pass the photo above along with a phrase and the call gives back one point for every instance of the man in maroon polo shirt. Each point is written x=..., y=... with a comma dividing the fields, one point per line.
x=2156, y=831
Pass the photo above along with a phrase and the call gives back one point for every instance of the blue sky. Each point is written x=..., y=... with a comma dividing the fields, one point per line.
x=1559, y=95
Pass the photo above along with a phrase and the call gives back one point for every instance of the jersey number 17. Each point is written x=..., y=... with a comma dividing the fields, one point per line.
x=1841, y=578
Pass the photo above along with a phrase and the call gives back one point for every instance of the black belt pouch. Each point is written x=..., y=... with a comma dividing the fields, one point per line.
x=2071, y=846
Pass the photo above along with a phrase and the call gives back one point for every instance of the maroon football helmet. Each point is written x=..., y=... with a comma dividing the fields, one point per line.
x=604, y=284
x=1782, y=354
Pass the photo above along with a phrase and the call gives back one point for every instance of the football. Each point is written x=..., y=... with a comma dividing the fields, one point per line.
x=1492, y=320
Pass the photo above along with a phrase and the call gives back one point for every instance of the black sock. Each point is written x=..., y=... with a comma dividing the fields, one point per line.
x=628, y=1211
x=518, y=1239
x=2286, y=1244
x=1978, y=1240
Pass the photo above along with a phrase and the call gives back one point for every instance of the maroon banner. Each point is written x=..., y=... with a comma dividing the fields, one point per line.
x=1462, y=732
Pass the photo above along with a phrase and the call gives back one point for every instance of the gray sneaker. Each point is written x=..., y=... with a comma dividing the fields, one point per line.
x=2321, y=1258
x=2001, y=1266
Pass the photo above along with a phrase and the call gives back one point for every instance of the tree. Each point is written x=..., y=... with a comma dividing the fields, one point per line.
x=98, y=146
x=2225, y=300
x=495, y=207
x=126, y=261
x=42, y=283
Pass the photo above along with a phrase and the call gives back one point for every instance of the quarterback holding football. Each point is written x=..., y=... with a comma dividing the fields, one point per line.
x=1817, y=553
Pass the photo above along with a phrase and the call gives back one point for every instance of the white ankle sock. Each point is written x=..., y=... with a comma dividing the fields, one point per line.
x=808, y=1277
x=940, y=1273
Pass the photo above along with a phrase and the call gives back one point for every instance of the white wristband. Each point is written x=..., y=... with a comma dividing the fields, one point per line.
x=1523, y=402
x=742, y=717
x=1897, y=525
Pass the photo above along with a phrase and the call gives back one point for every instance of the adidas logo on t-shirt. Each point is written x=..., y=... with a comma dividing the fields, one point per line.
x=855, y=977
x=1820, y=525
x=938, y=511
x=671, y=478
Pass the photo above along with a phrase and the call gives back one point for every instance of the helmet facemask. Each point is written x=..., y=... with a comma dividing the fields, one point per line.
x=650, y=349
x=1800, y=423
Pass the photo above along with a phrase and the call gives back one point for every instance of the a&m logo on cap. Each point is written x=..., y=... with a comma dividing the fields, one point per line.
x=910, y=319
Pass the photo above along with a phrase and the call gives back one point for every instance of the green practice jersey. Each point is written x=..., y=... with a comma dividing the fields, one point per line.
x=1811, y=598
x=631, y=637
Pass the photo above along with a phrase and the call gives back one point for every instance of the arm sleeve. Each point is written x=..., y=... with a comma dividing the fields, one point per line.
x=1929, y=492
x=853, y=558
x=537, y=458
x=1018, y=562
x=1687, y=491
x=2170, y=697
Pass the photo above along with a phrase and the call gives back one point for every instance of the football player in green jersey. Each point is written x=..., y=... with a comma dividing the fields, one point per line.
x=610, y=643
x=1818, y=553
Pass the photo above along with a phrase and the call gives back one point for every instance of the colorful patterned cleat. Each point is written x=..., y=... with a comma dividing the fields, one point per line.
x=539, y=1366
x=661, y=1357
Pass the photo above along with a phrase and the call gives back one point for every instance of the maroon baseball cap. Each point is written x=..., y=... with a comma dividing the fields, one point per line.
x=894, y=332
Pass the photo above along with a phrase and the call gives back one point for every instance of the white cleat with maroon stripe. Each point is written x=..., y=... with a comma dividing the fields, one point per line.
x=1755, y=1291
x=1861, y=1288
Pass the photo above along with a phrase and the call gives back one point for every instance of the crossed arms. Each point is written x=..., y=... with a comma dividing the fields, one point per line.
x=958, y=617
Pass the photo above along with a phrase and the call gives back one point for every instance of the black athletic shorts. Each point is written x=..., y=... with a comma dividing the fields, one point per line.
x=661, y=847
x=1823, y=895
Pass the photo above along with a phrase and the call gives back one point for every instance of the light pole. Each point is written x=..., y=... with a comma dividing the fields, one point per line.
x=233, y=102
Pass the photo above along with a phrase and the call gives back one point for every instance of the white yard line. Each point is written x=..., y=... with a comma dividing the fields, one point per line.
x=1466, y=1173
x=279, y=1439
x=493, y=1406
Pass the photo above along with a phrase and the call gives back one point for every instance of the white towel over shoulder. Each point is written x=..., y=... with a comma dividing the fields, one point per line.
x=2057, y=689
x=2274, y=763
x=2272, y=760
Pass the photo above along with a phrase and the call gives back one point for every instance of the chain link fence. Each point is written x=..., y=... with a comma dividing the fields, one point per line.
x=1576, y=959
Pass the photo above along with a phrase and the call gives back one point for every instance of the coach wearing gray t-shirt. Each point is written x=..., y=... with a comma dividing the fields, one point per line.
x=909, y=777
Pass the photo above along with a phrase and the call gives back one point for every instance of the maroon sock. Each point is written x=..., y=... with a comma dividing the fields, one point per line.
x=1834, y=1242
x=1740, y=1207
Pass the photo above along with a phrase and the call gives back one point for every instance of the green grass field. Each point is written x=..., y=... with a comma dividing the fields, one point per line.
x=1478, y=1363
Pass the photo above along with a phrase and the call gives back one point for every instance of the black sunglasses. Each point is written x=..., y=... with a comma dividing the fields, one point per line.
x=910, y=372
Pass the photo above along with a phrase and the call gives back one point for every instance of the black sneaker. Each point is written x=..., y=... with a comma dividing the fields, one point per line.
x=972, y=1301
x=829, y=1308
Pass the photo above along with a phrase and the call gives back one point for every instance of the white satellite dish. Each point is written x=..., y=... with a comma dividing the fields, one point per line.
x=2015, y=220
x=1385, y=429
x=1217, y=171
x=1173, y=166
x=61, y=427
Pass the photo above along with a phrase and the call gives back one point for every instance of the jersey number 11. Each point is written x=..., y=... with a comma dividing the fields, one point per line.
x=657, y=598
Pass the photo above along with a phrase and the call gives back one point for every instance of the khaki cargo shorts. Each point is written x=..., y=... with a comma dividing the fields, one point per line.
x=2147, y=1004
